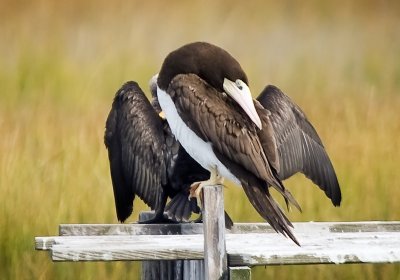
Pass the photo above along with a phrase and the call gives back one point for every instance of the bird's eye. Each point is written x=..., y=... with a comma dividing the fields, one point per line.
x=239, y=84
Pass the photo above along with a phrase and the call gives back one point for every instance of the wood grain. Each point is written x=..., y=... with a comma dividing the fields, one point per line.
x=320, y=243
x=215, y=257
x=169, y=269
x=196, y=228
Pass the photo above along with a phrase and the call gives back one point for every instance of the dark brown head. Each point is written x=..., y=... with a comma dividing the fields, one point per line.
x=215, y=66
x=209, y=62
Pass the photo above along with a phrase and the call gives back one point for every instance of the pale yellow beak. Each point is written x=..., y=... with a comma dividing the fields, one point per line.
x=240, y=92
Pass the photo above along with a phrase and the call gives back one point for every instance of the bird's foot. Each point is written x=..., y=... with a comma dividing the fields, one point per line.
x=196, y=187
x=158, y=219
x=228, y=220
x=194, y=190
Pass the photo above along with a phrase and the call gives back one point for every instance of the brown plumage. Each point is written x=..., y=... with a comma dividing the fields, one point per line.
x=235, y=142
x=146, y=160
x=204, y=93
x=300, y=149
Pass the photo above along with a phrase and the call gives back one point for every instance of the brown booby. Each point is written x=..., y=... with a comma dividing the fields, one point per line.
x=207, y=102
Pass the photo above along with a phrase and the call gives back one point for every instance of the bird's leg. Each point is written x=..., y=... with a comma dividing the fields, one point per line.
x=159, y=217
x=196, y=192
x=196, y=187
x=228, y=220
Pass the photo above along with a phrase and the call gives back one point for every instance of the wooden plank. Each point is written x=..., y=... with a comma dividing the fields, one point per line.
x=215, y=257
x=318, y=246
x=173, y=269
x=45, y=243
x=334, y=248
x=129, y=229
x=162, y=270
x=110, y=248
x=192, y=228
x=193, y=270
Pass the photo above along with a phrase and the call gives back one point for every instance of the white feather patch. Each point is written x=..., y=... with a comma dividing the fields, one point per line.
x=198, y=149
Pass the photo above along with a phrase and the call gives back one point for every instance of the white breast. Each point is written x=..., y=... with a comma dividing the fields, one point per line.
x=198, y=149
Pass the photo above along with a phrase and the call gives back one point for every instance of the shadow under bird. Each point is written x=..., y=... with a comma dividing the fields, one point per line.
x=146, y=160
x=207, y=102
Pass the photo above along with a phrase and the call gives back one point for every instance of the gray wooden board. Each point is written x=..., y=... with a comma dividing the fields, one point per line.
x=192, y=228
x=369, y=242
x=171, y=269
x=130, y=229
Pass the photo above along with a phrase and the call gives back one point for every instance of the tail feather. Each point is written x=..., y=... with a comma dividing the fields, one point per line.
x=187, y=211
x=172, y=206
x=263, y=202
x=277, y=184
x=228, y=221
x=180, y=208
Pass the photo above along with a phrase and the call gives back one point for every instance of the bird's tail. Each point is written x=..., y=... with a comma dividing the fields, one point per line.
x=180, y=208
x=265, y=205
x=289, y=199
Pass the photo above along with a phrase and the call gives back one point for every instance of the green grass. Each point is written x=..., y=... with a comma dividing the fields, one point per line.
x=62, y=63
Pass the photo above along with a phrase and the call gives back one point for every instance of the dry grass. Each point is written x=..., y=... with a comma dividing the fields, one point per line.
x=61, y=64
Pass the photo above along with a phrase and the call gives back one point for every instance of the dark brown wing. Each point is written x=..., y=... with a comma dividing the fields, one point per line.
x=216, y=120
x=135, y=142
x=234, y=140
x=267, y=136
x=299, y=146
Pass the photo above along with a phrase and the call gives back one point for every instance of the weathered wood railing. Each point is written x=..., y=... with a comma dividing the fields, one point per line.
x=247, y=244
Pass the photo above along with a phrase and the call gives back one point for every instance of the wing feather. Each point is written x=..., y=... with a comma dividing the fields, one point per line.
x=235, y=141
x=135, y=142
x=226, y=128
x=299, y=147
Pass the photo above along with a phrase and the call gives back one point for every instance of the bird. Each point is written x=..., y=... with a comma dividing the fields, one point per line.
x=205, y=95
x=146, y=160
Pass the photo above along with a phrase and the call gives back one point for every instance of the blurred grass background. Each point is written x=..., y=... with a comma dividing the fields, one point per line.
x=61, y=63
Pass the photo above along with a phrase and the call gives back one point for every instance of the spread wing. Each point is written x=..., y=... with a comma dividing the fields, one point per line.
x=299, y=147
x=135, y=142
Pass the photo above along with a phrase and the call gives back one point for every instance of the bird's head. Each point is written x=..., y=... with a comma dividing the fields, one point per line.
x=215, y=66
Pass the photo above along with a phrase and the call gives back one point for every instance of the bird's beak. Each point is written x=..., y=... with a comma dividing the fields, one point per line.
x=240, y=92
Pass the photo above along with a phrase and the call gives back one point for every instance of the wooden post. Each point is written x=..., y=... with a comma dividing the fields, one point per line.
x=171, y=270
x=215, y=257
